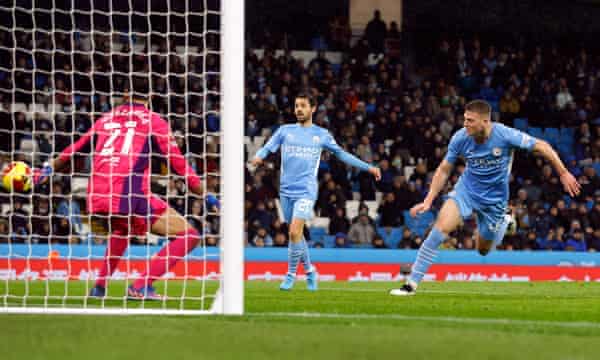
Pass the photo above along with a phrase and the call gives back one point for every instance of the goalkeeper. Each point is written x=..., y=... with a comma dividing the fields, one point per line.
x=301, y=145
x=119, y=187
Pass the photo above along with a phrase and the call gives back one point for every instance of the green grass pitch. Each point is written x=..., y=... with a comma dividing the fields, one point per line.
x=340, y=321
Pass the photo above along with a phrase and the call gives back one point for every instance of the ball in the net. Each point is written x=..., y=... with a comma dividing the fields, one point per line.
x=17, y=176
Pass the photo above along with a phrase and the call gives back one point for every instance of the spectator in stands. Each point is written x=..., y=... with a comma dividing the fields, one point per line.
x=576, y=242
x=330, y=199
x=4, y=233
x=339, y=223
x=378, y=242
x=341, y=241
x=375, y=32
x=280, y=240
x=563, y=97
x=388, y=212
x=451, y=243
x=361, y=232
x=594, y=241
x=62, y=232
x=19, y=219
x=260, y=217
x=262, y=238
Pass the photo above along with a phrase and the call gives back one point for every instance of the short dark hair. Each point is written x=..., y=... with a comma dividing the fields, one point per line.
x=479, y=106
x=307, y=96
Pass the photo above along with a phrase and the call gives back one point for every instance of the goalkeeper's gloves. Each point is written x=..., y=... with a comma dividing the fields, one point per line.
x=212, y=201
x=40, y=176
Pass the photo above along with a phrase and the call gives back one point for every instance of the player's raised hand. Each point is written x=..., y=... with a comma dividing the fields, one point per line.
x=419, y=209
x=376, y=172
x=255, y=163
x=212, y=203
x=570, y=184
x=40, y=176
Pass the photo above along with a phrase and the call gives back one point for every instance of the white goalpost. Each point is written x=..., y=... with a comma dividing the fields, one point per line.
x=62, y=65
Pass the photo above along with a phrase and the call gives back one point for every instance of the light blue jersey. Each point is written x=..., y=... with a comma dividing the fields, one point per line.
x=300, y=155
x=488, y=165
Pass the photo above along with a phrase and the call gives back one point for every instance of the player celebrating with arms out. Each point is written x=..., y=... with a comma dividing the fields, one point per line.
x=301, y=146
x=487, y=148
x=124, y=140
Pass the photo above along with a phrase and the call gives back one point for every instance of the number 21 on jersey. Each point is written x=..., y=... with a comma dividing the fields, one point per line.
x=109, y=148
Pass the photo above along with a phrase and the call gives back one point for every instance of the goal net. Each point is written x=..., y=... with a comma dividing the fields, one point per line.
x=64, y=63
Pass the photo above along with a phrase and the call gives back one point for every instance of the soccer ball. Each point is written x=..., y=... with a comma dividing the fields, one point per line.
x=17, y=176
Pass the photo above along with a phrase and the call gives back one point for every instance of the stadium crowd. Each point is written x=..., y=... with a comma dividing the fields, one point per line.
x=397, y=116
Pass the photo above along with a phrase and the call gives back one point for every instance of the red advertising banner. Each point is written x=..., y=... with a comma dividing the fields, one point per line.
x=80, y=269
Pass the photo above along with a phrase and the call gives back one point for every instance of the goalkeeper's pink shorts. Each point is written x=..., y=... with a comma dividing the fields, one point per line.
x=136, y=214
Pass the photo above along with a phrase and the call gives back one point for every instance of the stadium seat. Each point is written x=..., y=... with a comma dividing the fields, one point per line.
x=391, y=239
x=372, y=205
x=568, y=132
x=421, y=223
x=352, y=208
x=79, y=185
x=328, y=241
x=521, y=124
x=552, y=135
x=317, y=233
x=259, y=141
x=536, y=132
x=564, y=149
x=596, y=167
x=319, y=222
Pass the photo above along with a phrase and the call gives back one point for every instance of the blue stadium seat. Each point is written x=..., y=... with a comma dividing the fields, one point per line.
x=317, y=233
x=395, y=237
x=568, y=132
x=421, y=223
x=408, y=220
x=564, y=149
x=391, y=239
x=596, y=167
x=536, y=132
x=521, y=124
x=552, y=135
x=328, y=241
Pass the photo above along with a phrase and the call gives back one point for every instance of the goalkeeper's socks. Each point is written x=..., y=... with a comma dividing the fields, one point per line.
x=308, y=267
x=117, y=244
x=167, y=257
x=426, y=255
x=295, y=251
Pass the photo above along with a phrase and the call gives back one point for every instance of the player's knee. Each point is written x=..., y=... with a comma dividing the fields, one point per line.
x=193, y=236
x=295, y=234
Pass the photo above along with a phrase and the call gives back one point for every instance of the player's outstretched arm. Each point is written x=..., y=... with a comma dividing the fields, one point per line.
x=331, y=145
x=438, y=181
x=42, y=174
x=569, y=182
x=270, y=146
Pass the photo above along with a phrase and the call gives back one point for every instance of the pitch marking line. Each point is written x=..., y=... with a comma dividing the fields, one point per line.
x=425, y=291
x=450, y=319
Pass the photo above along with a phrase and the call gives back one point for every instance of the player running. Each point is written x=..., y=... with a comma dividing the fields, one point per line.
x=301, y=146
x=124, y=140
x=482, y=189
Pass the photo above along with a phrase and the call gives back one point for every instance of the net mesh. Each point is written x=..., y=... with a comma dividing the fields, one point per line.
x=62, y=65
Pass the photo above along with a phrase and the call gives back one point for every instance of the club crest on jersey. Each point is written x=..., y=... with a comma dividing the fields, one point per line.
x=290, y=136
x=496, y=151
x=316, y=139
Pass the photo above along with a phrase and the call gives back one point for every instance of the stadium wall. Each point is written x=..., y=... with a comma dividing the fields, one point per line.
x=81, y=262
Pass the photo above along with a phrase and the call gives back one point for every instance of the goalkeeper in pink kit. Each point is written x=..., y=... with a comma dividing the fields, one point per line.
x=124, y=140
